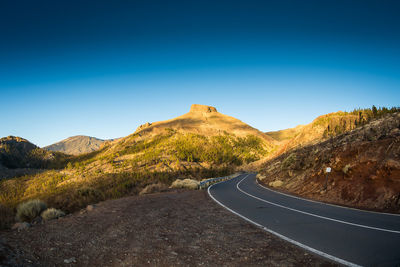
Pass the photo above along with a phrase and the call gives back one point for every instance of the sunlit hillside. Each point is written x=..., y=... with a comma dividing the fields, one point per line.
x=326, y=126
x=202, y=143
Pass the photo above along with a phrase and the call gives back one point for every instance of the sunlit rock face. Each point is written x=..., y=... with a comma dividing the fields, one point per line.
x=196, y=108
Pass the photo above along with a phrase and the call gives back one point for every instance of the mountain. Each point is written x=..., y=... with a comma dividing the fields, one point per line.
x=17, y=152
x=204, y=120
x=18, y=156
x=320, y=129
x=201, y=138
x=76, y=145
x=365, y=163
x=323, y=128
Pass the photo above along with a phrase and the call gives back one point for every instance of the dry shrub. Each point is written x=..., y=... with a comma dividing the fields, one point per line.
x=289, y=162
x=89, y=192
x=51, y=214
x=29, y=210
x=153, y=188
x=186, y=183
x=260, y=176
x=277, y=183
x=346, y=168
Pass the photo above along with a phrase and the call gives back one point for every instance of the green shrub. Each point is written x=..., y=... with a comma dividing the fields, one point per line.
x=51, y=214
x=29, y=210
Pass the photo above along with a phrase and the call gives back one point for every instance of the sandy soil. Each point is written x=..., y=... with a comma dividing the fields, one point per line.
x=165, y=229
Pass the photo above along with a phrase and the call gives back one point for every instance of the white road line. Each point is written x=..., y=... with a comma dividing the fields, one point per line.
x=294, y=242
x=315, y=215
x=328, y=204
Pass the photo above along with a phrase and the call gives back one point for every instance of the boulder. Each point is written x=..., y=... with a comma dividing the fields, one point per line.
x=90, y=207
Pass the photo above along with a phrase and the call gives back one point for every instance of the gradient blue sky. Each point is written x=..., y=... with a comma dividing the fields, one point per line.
x=101, y=68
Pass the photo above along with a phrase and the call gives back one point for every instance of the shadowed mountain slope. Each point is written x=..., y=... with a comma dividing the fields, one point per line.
x=18, y=156
x=17, y=152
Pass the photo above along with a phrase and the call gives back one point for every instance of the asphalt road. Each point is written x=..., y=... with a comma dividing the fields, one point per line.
x=347, y=236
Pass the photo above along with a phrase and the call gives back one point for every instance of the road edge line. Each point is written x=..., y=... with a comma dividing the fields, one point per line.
x=328, y=204
x=314, y=215
x=315, y=251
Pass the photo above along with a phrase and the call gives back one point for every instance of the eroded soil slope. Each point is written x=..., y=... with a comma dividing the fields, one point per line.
x=167, y=229
x=365, y=168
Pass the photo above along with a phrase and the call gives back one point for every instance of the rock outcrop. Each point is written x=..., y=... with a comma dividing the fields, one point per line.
x=202, y=109
x=143, y=126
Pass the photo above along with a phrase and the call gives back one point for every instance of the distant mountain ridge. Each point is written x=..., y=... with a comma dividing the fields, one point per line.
x=76, y=145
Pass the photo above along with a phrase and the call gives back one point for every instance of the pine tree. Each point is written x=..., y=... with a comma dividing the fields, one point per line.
x=374, y=111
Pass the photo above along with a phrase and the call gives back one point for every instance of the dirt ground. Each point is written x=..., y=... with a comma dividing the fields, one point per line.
x=179, y=228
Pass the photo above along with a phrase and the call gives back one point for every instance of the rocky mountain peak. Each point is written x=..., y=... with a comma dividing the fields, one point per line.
x=202, y=109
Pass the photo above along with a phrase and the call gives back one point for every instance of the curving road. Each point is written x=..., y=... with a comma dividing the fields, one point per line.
x=348, y=236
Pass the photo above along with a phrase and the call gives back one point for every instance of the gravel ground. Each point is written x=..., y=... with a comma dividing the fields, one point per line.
x=165, y=229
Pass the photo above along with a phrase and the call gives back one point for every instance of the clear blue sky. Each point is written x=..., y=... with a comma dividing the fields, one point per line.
x=101, y=68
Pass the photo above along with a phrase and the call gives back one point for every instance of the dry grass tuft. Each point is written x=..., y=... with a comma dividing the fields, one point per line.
x=186, y=183
x=260, y=176
x=346, y=168
x=51, y=214
x=29, y=210
x=154, y=188
x=277, y=183
x=288, y=162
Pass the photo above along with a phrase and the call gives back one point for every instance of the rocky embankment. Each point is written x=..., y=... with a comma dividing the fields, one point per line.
x=365, y=166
